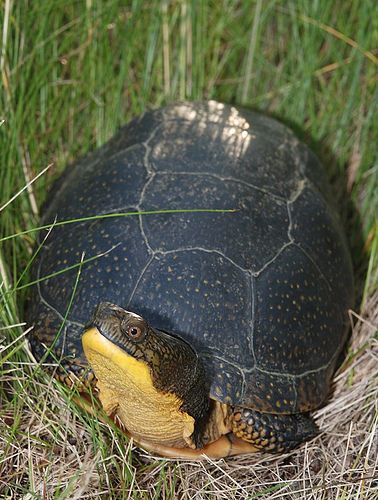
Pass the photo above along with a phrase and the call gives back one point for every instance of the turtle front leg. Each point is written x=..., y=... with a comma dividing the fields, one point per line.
x=272, y=433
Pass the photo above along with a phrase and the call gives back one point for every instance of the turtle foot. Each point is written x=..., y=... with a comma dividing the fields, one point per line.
x=273, y=433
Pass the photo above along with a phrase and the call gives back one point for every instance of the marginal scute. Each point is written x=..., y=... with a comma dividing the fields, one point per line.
x=314, y=172
x=228, y=383
x=311, y=388
x=269, y=392
x=295, y=314
x=318, y=232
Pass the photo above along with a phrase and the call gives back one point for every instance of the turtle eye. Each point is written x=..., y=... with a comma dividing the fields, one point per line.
x=134, y=332
x=134, y=327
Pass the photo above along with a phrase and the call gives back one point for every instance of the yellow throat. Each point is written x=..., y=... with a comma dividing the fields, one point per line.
x=126, y=390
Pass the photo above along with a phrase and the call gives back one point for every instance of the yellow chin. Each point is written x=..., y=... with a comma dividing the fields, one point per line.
x=126, y=390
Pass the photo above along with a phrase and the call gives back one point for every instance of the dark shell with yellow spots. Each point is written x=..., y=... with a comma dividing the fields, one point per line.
x=262, y=293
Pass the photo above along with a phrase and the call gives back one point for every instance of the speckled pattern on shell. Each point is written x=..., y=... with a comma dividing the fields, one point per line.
x=262, y=293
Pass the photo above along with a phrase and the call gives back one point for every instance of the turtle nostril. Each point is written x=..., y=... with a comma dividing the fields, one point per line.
x=106, y=306
x=106, y=309
x=102, y=310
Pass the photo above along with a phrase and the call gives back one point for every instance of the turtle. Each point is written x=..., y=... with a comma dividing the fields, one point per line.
x=197, y=277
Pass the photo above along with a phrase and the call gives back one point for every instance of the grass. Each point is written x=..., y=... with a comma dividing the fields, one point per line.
x=71, y=73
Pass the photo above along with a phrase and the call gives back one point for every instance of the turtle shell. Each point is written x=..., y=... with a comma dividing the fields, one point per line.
x=261, y=293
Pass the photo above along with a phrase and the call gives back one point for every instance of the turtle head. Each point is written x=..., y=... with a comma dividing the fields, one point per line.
x=154, y=382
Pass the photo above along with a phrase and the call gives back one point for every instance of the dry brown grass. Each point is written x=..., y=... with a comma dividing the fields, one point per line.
x=53, y=448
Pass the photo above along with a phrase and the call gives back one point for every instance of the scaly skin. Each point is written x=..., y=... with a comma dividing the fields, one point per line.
x=273, y=433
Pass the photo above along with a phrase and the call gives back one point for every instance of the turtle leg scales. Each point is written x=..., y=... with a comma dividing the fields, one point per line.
x=272, y=433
